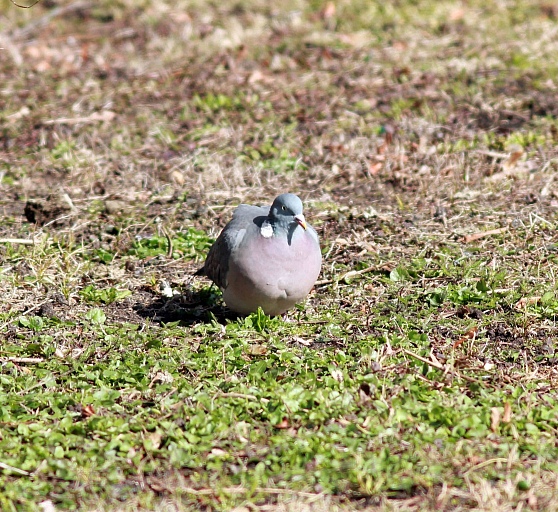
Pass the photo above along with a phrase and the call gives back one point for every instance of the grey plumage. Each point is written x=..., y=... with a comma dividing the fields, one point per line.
x=265, y=257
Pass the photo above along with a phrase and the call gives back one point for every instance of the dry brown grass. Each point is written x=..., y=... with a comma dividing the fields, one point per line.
x=410, y=129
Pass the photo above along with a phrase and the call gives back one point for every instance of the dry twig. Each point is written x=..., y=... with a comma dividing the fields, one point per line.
x=15, y=470
x=105, y=115
x=346, y=275
x=240, y=395
x=22, y=241
x=244, y=490
x=477, y=236
x=21, y=360
x=439, y=366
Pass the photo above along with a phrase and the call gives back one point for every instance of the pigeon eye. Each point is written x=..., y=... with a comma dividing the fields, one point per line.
x=284, y=208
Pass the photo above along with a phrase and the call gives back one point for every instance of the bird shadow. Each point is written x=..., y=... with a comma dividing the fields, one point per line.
x=187, y=308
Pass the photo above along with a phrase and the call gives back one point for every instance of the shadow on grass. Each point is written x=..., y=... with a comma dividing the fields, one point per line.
x=188, y=308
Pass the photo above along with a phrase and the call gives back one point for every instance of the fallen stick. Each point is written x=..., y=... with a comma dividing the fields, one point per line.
x=443, y=368
x=21, y=360
x=22, y=241
x=169, y=242
x=493, y=154
x=346, y=275
x=105, y=115
x=477, y=236
x=244, y=490
x=241, y=395
x=15, y=470
x=486, y=463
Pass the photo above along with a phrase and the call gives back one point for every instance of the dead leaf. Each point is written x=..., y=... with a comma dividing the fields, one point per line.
x=494, y=419
x=257, y=350
x=469, y=335
x=162, y=377
x=256, y=76
x=527, y=301
x=457, y=14
x=512, y=166
x=157, y=485
x=515, y=154
x=22, y=112
x=155, y=438
x=87, y=411
x=507, y=413
x=337, y=375
x=328, y=11
x=302, y=341
x=176, y=177
x=217, y=452
x=374, y=168
x=283, y=424
x=358, y=39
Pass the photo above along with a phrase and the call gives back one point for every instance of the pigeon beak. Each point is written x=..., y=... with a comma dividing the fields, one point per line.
x=301, y=221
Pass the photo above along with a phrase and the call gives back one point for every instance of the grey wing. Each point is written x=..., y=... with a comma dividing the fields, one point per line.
x=217, y=263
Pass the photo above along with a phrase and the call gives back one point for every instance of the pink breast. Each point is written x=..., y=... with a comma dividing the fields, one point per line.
x=283, y=269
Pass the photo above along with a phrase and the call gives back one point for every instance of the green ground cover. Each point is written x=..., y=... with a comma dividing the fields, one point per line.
x=420, y=373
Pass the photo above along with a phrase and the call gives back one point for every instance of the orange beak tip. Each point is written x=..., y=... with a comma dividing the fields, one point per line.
x=301, y=221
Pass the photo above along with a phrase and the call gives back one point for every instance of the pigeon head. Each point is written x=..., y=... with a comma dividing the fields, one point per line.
x=286, y=211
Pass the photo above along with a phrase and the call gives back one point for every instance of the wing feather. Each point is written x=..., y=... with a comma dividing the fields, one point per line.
x=216, y=265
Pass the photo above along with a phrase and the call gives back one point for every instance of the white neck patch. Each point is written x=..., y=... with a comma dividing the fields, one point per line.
x=266, y=230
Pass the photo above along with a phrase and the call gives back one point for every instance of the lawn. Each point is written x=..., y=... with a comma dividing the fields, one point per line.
x=420, y=374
